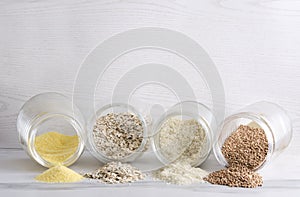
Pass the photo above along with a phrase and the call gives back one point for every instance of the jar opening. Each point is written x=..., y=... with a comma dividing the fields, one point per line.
x=55, y=139
x=184, y=140
x=232, y=123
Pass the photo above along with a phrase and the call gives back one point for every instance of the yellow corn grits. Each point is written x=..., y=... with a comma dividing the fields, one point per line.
x=55, y=147
x=59, y=174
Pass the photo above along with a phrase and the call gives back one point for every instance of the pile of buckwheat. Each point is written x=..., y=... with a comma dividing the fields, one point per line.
x=244, y=150
x=235, y=176
x=247, y=146
x=117, y=135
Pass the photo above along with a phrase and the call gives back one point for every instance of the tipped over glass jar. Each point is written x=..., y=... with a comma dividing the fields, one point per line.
x=253, y=136
x=51, y=129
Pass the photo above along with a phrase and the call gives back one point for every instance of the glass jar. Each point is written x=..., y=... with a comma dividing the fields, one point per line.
x=185, y=133
x=48, y=112
x=101, y=155
x=270, y=117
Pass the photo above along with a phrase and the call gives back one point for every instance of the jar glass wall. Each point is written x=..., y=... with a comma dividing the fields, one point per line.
x=184, y=133
x=270, y=117
x=50, y=112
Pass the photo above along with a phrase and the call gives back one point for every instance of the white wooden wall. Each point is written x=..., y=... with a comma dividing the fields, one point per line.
x=255, y=44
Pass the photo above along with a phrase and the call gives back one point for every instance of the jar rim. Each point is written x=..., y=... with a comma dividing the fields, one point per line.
x=100, y=112
x=33, y=133
x=260, y=121
x=200, y=119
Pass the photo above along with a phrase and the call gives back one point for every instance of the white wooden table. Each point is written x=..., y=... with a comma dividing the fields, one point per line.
x=255, y=45
x=18, y=172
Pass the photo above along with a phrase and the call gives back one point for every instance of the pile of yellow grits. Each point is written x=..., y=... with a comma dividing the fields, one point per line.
x=56, y=148
x=59, y=174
